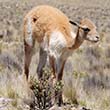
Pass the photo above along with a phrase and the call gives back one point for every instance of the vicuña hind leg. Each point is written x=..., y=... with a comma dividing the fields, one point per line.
x=28, y=55
x=42, y=62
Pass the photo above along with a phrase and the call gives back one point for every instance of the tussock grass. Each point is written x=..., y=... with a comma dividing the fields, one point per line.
x=95, y=97
x=16, y=88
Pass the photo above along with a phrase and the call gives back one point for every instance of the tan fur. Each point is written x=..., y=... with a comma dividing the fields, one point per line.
x=88, y=23
x=49, y=19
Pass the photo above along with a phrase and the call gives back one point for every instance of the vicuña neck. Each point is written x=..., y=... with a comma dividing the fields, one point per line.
x=78, y=40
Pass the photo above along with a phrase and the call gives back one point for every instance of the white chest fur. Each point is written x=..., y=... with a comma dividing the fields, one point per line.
x=57, y=44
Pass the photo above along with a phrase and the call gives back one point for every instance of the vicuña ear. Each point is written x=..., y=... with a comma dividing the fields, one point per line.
x=80, y=26
x=76, y=24
x=73, y=23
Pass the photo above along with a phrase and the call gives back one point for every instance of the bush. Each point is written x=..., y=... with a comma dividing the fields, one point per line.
x=43, y=90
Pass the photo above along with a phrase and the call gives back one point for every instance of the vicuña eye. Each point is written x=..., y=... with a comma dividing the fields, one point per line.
x=86, y=29
x=34, y=19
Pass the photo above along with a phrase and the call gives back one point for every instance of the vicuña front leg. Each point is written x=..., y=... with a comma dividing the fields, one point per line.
x=58, y=92
x=52, y=65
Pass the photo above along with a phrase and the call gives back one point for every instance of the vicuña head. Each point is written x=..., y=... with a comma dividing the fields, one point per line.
x=87, y=30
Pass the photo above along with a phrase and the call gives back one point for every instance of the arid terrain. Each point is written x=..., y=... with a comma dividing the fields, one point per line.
x=87, y=71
